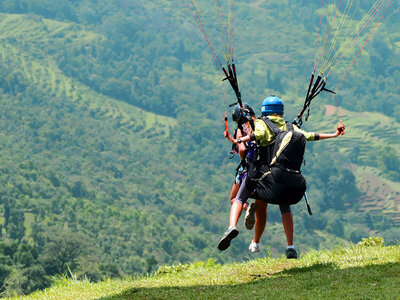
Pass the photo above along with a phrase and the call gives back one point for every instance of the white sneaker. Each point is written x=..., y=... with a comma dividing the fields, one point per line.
x=254, y=247
x=250, y=217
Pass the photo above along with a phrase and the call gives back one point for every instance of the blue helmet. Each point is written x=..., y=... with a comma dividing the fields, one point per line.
x=272, y=105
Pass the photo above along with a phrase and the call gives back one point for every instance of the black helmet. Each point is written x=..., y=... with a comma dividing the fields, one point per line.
x=236, y=113
x=242, y=114
x=250, y=109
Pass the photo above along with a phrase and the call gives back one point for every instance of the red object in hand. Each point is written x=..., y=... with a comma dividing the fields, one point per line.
x=226, y=124
x=341, y=128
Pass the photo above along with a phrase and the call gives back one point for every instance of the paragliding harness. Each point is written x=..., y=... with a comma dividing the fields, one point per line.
x=244, y=117
x=251, y=149
x=276, y=170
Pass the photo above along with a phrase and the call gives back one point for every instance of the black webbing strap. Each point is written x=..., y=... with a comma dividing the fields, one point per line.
x=289, y=126
x=275, y=129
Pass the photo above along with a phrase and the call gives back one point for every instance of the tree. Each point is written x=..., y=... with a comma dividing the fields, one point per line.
x=26, y=255
x=63, y=249
x=335, y=226
x=151, y=263
x=79, y=190
x=390, y=161
x=34, y=279
x=16, y=226
x=20, y=271
x=5, y=271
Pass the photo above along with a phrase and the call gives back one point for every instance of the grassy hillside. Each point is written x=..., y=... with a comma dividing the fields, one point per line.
x=368, y=270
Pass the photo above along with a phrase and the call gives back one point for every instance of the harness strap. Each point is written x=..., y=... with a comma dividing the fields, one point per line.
x=275, y=129
x=241, y=164
x=285, y=141
x=234, y=149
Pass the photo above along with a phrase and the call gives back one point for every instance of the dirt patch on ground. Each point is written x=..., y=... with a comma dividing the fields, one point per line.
x=372, y=186
x=332, y=109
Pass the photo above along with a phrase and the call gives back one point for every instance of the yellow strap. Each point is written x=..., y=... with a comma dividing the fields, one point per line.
x=285, y=142
x=265, y=174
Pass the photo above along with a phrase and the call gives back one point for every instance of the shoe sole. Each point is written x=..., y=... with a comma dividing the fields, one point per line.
x=250, y=219
x=249, y=222
x=291, y=255
x=225, y=242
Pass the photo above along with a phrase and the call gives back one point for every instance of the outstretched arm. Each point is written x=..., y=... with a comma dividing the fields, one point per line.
x=239, y=140
x=339, y=131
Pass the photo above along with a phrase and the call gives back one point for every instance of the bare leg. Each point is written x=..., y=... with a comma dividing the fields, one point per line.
x=287, y=221
x=232, y=232
x=261, y=220
x=236, y=211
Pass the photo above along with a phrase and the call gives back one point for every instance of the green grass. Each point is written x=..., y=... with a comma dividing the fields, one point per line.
x=368, y=270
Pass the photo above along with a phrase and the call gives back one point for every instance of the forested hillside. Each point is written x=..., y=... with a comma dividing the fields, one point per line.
x=112, y=158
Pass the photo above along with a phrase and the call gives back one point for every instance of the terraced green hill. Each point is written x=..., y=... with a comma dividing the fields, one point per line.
x=367, y=136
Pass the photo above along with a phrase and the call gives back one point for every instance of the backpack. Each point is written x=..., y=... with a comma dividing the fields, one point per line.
x=283, y=183
x=288, y=152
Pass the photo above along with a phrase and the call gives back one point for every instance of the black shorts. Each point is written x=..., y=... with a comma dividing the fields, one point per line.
x=285, y=208
x=246, y=191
